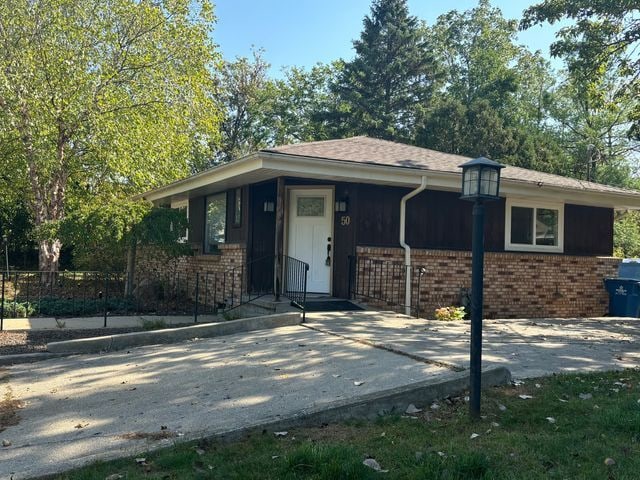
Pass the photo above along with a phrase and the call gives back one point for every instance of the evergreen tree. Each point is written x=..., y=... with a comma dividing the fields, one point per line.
x=391, y=79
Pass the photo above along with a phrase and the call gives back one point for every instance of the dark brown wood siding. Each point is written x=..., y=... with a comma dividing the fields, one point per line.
x=588, y=230
x=344, y=233
x=237, y=233
x=435, y=219
x=261, y=234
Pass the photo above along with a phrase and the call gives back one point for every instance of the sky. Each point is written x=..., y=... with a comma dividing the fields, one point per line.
x=305, y=32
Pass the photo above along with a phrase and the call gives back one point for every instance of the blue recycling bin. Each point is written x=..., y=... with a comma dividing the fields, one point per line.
x=624, y=297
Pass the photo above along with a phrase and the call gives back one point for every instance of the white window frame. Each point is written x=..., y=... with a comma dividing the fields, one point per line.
x=182, y=204
x=521, y=247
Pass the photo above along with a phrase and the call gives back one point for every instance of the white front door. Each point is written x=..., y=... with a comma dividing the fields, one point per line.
x=309, y=236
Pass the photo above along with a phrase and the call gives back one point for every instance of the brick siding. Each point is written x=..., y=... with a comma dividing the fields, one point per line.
x=516, y=284
x=219, y=281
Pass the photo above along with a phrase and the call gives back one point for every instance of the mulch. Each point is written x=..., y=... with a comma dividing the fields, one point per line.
x=33, y=341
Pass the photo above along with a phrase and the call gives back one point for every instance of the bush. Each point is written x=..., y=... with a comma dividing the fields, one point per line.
x=64, y=307
x=450, y=313
x=18, y=309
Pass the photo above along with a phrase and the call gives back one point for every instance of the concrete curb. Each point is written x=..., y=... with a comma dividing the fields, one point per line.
x=373, y=405
x=172, y=335
x=28, y=358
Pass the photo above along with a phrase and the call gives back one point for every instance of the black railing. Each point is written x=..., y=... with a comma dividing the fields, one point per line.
x=224, y=291
x=65, y=294
x=294, y=282
x=383, y=282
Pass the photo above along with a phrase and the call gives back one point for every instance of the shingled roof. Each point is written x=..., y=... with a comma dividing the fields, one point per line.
x=383, y=152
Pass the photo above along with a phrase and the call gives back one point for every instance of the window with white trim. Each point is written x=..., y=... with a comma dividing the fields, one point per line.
x=532, y=226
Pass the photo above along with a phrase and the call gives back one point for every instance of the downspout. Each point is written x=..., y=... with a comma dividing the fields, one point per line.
x=403, y=244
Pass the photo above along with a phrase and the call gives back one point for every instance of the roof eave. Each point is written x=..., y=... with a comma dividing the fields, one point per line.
x=285, y=164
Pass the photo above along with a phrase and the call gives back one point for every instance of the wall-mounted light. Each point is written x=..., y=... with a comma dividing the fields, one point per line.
x=269, y=206
x=342, y=205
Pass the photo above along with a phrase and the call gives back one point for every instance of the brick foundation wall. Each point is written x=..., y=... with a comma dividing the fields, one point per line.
x=516, y=284
x=217, y=283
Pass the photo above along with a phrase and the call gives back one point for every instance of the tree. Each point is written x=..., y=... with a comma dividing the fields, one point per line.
x=246, y=91
x=592, y=119
x=305, y=107
x=391, y=79
x=604, y=32
x=626, y=235
x=496, y=94
x=101, y=100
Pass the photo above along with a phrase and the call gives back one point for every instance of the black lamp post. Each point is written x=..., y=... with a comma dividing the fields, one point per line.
x=480, y=183
x=5, y=240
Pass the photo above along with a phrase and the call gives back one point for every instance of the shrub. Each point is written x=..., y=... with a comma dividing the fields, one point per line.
x=17, y=309
x=65, y=307
x=450, y=313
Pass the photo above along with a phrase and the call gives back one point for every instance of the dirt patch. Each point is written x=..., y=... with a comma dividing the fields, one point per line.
x=161, y=435
x=33, y=341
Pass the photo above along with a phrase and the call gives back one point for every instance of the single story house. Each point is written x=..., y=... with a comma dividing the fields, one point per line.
x=336, y=205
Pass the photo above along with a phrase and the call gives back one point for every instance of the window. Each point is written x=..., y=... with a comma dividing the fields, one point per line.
x=310, y=207
x=534, y=227
x=215, y=225
x=182, y=206
x=237, y=207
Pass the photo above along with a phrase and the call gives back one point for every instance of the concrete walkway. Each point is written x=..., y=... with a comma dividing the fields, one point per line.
x=528, y=348
x=89, y=407
x=82, y=408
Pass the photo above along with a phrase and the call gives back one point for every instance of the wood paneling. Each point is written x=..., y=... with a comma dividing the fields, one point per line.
x=435, y=219
x=344, y=237
x=262, y=234
x=237, y=233
x=588, y=230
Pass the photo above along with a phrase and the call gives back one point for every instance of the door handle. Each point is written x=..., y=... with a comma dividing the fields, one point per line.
x=328, y=260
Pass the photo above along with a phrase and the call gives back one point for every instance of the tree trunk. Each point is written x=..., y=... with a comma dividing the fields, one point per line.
x=48, y=258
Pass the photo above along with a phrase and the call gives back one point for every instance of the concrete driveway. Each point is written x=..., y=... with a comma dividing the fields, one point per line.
x=528, y=348
x=86, y=407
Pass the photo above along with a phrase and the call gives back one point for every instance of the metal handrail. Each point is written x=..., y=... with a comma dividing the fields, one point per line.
x=384, y=281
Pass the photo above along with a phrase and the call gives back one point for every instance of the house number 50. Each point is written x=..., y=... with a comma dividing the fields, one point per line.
x=345, y=220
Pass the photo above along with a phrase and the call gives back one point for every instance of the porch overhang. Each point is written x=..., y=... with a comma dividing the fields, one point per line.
x=263, y=166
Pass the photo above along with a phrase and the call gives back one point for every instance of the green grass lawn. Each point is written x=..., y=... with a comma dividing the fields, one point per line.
x=555, y=434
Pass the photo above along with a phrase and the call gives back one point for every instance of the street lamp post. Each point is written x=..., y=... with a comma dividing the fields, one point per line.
x=480, y=183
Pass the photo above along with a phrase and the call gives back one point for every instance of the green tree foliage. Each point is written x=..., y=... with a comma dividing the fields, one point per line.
x=626, y=235
x=262, y=112
x=118, y=226
x=592, y=121
x=101, y=100
x=602, y=33
x=596, y=106
x=496, y=93
x=392, y=77
x=305, y=106
x=246, y=92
